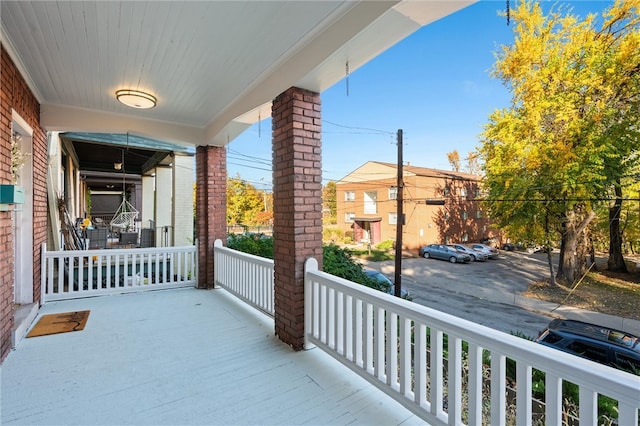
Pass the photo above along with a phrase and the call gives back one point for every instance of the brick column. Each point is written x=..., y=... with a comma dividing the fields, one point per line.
x=297, y=205
x=211, y=207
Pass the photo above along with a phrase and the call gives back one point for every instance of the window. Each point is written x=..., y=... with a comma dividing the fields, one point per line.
x=393, y=218
x=370, y=202
x=446, y=215
x=465, y=215
x=393, y=193
x=349, y=196
x=349, y=216
x=465, y=237
x=589, y=350
x=478, y=214
x=463, y=192
x=446, y=191
x=627, y=363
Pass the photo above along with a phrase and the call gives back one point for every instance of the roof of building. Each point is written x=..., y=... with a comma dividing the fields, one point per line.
x=377, y=170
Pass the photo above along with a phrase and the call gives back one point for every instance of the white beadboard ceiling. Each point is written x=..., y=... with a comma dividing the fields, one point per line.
x=214, y=66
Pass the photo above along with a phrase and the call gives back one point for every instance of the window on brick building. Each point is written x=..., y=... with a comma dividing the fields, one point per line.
x=463, y=192
x=349, y=217
x=371, y=202
x=349, y=196
x=465, y=215
x=478, y=214
x=465, y=237
x=393, y=218
x=393, y=193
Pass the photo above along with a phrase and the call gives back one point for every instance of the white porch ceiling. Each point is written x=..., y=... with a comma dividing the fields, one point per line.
x=215, y=66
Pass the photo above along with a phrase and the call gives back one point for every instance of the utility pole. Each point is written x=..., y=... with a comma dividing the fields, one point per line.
x=399, y=221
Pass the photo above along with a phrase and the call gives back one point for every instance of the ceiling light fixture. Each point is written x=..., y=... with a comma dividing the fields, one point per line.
x=136, y=99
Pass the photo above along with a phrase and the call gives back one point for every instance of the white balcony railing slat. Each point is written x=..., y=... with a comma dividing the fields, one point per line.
x=475, y=384
x=523, y=392
x=553, y=405
x=498, y=391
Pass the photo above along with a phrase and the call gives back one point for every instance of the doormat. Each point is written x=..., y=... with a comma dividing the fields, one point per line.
x=60, y=323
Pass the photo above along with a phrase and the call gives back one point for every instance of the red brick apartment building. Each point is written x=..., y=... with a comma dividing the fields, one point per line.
x=440, y=206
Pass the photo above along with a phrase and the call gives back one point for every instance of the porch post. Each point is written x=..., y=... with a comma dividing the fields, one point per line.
x=164, y=197
x=182, y=200
x=211, y=207
x=297, y=205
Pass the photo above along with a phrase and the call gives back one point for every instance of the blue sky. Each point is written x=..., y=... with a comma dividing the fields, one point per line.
x=434, y=85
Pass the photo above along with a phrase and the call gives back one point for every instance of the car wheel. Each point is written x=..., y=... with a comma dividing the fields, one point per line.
x=473, y=258
x=425, y=255
x=453, y=259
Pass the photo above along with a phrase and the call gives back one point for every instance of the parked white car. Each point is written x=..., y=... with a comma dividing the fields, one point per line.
x=475, y=254
x=483, y=248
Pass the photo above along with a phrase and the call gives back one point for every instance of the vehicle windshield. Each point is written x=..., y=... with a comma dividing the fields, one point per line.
x=378, y=276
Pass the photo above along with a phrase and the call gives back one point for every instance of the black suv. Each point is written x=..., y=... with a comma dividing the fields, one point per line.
x=600, y=344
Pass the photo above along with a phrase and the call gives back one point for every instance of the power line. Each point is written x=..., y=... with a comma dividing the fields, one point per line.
x=375, y=131
x=544, y=200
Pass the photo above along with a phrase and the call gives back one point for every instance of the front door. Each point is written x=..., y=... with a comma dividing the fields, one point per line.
x=23, y=216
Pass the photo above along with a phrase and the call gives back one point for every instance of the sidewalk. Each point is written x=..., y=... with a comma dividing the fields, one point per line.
x=551, y=309
x=556, y=310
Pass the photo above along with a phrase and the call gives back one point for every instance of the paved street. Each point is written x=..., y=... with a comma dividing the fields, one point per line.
x=482, y=292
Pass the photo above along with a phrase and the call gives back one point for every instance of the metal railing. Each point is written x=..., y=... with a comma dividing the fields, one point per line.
x=247, y=276
x=69, y=274
x=448, y=370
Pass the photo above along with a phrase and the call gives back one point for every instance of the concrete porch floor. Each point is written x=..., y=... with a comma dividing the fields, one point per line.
x=183, y=357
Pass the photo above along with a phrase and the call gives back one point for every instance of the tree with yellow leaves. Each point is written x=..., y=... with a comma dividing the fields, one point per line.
x=454, y=159
x=571, y=134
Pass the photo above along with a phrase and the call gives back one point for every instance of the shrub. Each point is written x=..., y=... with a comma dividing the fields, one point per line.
x=256, y=244
x=332, y=234
x=336, y=261
x=339, y=262
x=386, y=245
x=348, y=237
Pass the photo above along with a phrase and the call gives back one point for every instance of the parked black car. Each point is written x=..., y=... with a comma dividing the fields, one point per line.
x=604, y=345
x=508, y=247
x=391, y=288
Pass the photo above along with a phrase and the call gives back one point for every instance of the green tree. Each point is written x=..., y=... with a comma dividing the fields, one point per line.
x=329, y=203
x=572, y=126
x=244, y=202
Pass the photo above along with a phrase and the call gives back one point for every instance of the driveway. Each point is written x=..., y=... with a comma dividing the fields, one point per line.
x=482, y=292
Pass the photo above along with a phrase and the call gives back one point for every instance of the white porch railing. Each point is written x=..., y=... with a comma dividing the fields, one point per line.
x=401, y=347
x=68, y=274
x=247, y=276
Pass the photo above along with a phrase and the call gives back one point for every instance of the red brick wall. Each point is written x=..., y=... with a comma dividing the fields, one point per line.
x=211, y=207
x=16, y=95
x=297, y=205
